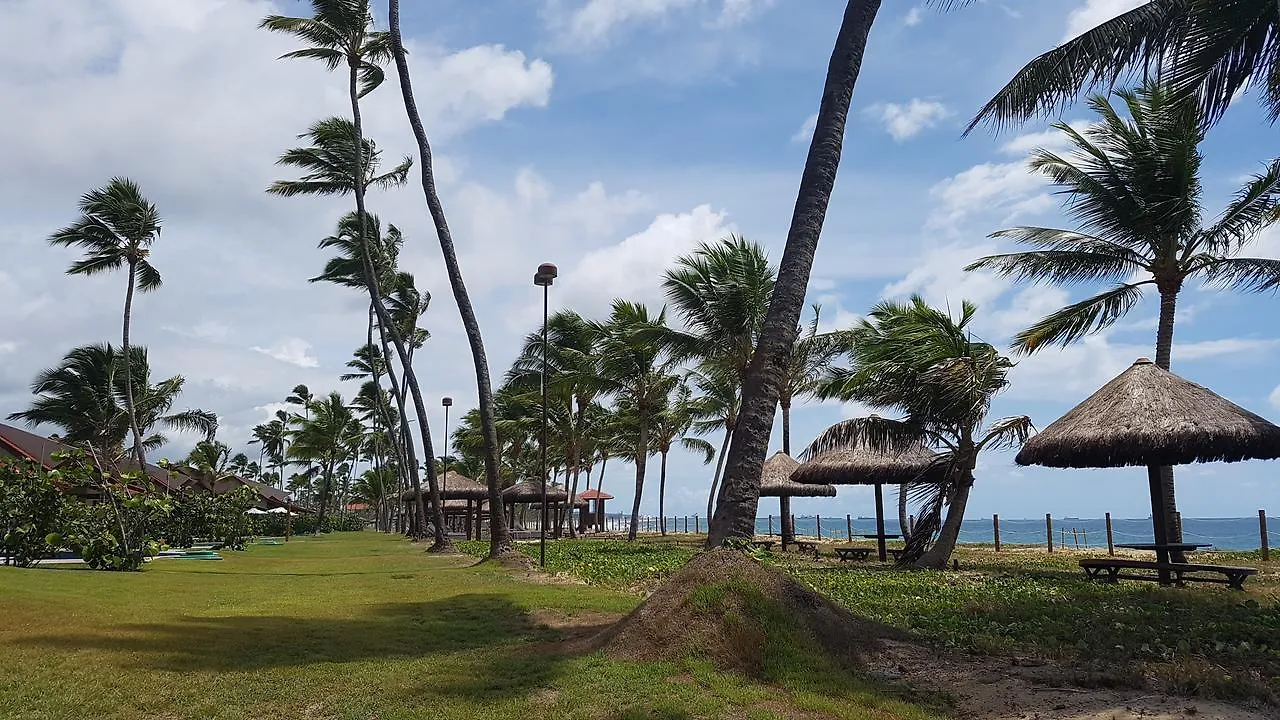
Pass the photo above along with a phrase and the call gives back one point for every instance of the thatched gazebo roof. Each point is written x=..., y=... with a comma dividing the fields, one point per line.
x=594, y=494
x=456, y=487
x=864, y=466
x=531, y=492
x=1149, y=416
x=775, y=480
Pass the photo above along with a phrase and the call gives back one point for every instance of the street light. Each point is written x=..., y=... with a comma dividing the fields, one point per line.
x=545, y=276
x=446, y=403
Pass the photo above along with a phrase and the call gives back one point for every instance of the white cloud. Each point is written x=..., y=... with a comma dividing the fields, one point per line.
x=8, y=347
x=908, y=120
x=1052, y=140
x=207, y=330
x=805, y=133
x=988, y=188
x=736, y=12
x=913, y=17
x=595, y=20
x=292, y=350
x=1094, y=13
x=1275, y=398
x=941, y=279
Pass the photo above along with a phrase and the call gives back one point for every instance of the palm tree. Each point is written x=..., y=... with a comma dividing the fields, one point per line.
x=270, y=436
x=920, y=361
x=634, y=368
x=500, y=542
x=117, y=227
x=718, y=406
x=1133, y=188
x=1209, y=49
x=327, y=439
x=740, y=492
x=212, y=460
x=340, y=32
x=671, y=422
x=86, y=396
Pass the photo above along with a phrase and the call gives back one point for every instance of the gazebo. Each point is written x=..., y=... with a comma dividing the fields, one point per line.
x=864, y=466
x=775, y=481
x=461, y=496
x=530, y=491
x=597, y=497
x=1148, y=416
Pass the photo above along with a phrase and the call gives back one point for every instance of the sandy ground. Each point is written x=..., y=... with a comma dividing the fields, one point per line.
x=991, y=688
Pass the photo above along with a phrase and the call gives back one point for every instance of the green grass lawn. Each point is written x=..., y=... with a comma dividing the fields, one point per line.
x=361, y=626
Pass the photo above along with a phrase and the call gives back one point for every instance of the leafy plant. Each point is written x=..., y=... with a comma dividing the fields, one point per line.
x=30, y=510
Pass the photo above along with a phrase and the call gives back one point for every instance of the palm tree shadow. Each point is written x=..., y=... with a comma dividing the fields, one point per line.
x=250, y=642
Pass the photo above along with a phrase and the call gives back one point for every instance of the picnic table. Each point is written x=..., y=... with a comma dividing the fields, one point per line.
x=1166, y=572
x=880, y=537
x=806, y=546
x=852, y=553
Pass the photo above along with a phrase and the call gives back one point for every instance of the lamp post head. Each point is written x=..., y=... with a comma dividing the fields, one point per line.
x=546, y=275
x=446, y=402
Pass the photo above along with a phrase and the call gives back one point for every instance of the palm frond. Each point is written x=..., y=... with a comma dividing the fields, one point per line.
x=1058, y=266
x=875, y=433
x=701, y=447
x=148, y=276
x=1079, y=319
x=1010, y=432
x=1243, y=274
x=1255, y=207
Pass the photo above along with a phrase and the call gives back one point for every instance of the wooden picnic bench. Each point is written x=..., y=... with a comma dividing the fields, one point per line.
x=853, y=553
x=1110, y=569
x=895, y=552
x=806, y=546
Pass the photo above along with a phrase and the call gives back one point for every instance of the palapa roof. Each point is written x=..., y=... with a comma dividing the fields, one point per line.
x=775, y=480
x=865, y=466
x=531, y=491
x=453, y=487
x=1148, y=416
x=594, y=494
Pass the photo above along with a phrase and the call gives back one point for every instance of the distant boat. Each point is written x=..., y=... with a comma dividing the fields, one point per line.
x=863, y=517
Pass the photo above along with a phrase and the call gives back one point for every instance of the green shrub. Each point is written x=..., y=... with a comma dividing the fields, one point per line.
x=31, y=509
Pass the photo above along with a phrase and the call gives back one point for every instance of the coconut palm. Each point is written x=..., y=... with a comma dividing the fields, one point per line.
x=116, y=228
x=271, y=436
x=85, y=395
x=917, y=360
x=740, y=491
x=811, y=356
x=1133, y=187
x=717, y=408
x=1209, y=49
x=212, y=461
x=500, y=542
x=671, y=423
x=635, y=369
x=327, y=439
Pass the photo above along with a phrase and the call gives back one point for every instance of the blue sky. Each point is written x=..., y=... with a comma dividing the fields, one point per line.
x=606, y=136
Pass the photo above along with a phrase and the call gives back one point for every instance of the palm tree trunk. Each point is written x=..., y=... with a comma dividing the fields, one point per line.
x=128, y=374
x=715, y=479
x=662, y=494
x=385, y=321
x=401, y=467
x=736, y=515
x=904, y=524
x=786, y=425
x=573, y=497
x=323, y=500
x=1164, y=355
x=500, y=540
x=937, y=556
x=604, y=462
x=642, y=458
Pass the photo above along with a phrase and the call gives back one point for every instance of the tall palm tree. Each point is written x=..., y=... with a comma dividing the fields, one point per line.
x=740, y=492
x=116, y=228
x=85, y=395
x=920, y=361
x=635, y=369
x=212, y=460
x=717, y=408
x=1209, y=49
x=328, y=439
x=271, y=436
x=500, y=542
x=340, y=33
x=671, y=423
x=1133, y=187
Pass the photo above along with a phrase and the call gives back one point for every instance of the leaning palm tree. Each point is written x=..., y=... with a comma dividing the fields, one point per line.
x=85, y=395
x=634, y=368
x=917, y=360
x=116, y=228
x=1209, y=49
x=740, y=492
x=671, y=423
x=499, y=542
x=1133, y=187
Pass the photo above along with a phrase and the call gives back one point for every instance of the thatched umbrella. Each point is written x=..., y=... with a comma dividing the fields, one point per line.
x=775, y=481
x=530, y=491
x=864, y=466
x=1148, y=416
x=455, y=487
x=598, y=497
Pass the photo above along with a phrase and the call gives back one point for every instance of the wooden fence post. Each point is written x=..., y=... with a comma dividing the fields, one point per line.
x=1048, y=529
x=793, y=524
x=995, y=526
x=848, y=523
x=1111, y=538
x=818, y=519
x=697, y=525
x=770, y=526
x=1262, y=533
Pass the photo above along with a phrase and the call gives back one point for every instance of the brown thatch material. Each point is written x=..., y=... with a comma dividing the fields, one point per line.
x=775, y=480
x=455, y=487
x=529, y=492
x=1149, y=416
x=863, y=466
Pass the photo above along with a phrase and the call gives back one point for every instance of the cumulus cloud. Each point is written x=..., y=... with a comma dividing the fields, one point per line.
x=913, y=17
x=1052, y=140
x=909, y=119
x=736, y=12
x=1094, y=13
x=987, y=188
x=294, y=351
x=805, y=133
x=594, y=22
x=1275, y=398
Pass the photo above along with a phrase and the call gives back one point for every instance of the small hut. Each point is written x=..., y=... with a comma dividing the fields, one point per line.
x=530, y=491
x=597, y=497
x=1148, y=416
x=775, y=481
x=461, y=497
x=864, y=466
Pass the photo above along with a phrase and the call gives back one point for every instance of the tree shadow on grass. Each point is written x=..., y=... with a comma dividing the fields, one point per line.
x=236, y=643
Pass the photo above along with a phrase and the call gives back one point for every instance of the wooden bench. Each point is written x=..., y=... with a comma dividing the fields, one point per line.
x=895, y=552
x=805, y=546
x=763, y=544
x=853, y=553
x=1233, y=577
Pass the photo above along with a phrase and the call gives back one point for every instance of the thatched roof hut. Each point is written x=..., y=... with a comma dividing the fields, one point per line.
x=453, y=487
x=775, y=480
x=531, y=492
x=1149, y=416
x=864, y=466
x=594, y=494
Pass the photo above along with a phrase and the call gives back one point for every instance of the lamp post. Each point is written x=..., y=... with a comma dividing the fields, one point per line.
x=545, y=276
x=446, y=403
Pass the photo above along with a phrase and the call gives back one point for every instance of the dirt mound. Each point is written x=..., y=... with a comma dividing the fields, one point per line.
x=729, y=609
